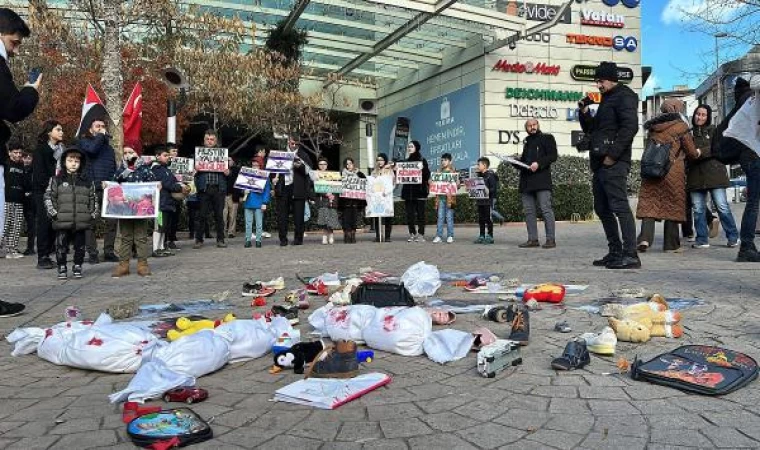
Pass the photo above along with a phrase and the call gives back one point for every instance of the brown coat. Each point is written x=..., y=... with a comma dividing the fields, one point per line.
x=665, y=198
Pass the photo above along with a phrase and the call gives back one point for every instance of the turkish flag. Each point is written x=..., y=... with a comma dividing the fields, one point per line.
x=132, y=119
x=92, y=108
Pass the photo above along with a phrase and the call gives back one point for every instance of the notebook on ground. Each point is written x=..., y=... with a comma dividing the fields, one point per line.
x=330, y=393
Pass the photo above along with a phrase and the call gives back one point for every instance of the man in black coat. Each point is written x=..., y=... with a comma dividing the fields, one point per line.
x=539, y=152
x=611, y=132
x=15, y=105
x=292, y=192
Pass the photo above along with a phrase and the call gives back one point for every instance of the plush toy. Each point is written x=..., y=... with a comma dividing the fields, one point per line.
x=656, y=317
x=655, y=304
x=552, y=293
x=296, y=356
x=629, y=330
x=186, y=327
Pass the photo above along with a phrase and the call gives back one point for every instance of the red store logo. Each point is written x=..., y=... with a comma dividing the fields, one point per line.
x=540, y=68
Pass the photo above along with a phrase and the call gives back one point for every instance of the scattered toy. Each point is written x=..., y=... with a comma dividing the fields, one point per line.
x=562, y=327
x=498, y=356
x=286, y=340
x=629, y=331
x=186, y=395
x=186, y=327
x=296, y=357
x=549, y=292
x=258, y=302
x=365, y=356
x=169, y=428
x=442, y=316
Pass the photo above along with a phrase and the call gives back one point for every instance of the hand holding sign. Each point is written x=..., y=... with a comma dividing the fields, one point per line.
x=444, y=183
x=211, y=159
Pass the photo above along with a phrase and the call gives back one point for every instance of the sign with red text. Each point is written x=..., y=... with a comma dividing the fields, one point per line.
x=409, y=172
x=504, y=65
x=211, y=159
x=444, y=183
x=602, y=19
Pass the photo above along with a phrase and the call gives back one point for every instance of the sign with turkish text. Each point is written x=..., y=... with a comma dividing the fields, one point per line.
x=211, y=159
x=354, y=188
x=444, y=183
x=280, y=162
x=409, y=172
x=503, y=65
x=476, y=188
x=543, y=94
x=328, y=182
x=602, y=19
x=250, y=179
x=582, y=39
x=182, y=168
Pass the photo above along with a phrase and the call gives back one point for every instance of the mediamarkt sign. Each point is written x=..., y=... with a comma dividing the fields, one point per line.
x=543, y=94
x=540, y=112
x=503, y=65
x=602, y=19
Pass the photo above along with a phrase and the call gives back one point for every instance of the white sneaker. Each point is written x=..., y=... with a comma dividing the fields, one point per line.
x=266, y=235
x=14, y=255
x=437, y=240
x=601, y=343
x=277, y=284
x=732, y=244
x=449, y=240
x=411, y=238
x=331, y=239
x=691, y=239
x=420, y=238
x=700, y=245
x=324, y=240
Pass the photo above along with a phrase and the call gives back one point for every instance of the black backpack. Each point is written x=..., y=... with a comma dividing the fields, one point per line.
x=180, y=427
x=382, y=295
x=703, y=369
x=655, y=162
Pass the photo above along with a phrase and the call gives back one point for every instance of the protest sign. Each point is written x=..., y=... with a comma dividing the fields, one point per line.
x=182, y=168
x=280, y=162
x=409, y=172
x=211, y=159
x=328, y=182
x=354, y=187
x=130, y=200
x=511, y=160
x=444, y=183
x=251, y=179
x=476, y=187
x=379, y=196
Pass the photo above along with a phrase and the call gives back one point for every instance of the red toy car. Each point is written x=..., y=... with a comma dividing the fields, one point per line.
x=186, y=394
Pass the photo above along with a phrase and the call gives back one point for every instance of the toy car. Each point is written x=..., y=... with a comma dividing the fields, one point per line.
x=186, y=394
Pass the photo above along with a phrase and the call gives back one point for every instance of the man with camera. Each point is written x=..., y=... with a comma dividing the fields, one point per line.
x=609, y=135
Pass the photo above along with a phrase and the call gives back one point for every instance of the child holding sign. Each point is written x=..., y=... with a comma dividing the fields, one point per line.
x=445, y=204
x=327, y=209
x=484, y=205
x=255, y=203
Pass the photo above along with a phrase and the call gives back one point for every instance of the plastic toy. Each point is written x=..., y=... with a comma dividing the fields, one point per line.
x=365, y=356
x=259, y=301
x=186, y=327
x=186, y=394
x=285, y=341
x=133, y=410
x=551, y=293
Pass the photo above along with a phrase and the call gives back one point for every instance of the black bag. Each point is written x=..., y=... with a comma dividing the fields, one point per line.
x=727, y=150
x=382, y=295
x=182, y=424
x=703, y=369
x=655, y=162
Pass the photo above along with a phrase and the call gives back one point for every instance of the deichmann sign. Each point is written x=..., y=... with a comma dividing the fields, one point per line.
x=586, y=73
x=540, y=68
x=535, y=11
x=543, y=94
x=602, y=19
x=530, y=111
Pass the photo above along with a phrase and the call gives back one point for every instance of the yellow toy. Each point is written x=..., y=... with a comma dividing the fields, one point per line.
x=186, y=327
x=629, y=330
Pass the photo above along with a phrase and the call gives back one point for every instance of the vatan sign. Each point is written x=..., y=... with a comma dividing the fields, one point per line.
x=444, y=183
x=211, y=159
x=280, y=162
x=409, y=172
x=130, y=200
x=533, y=11
x=328, y=182
x=586, y=73
x=354, y=188
x=530, y=67
x=447, y=124
x=543, y=94
x=476, y=188
x=602, y=19
x=379, y=196
x=251, y=179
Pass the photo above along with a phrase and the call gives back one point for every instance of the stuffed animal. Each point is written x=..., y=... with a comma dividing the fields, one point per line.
x=655, y=304
x=629, y=330
x=296, y=356
x=186, y=327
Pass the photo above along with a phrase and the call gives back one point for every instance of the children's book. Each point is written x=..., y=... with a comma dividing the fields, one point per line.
x=330, y=393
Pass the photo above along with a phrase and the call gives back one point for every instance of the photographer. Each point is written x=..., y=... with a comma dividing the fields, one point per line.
x=610, y=135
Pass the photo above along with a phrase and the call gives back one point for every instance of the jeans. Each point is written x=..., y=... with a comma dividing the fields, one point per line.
x=749, y=219
x=445, y=214
x=212, y=198
x=109, y=239
x=133, y=232
x=612, y=207
x=250, y=214
x=699, y=200
x=230, y=214
x=671, y=240
x=544, y=200
x=64, y=238
x=415, y=215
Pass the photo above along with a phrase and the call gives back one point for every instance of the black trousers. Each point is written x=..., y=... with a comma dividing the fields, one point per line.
x=63, y=239
x=671, y=241
x=193, y=210
x=212, y=199
x=285, y=205
x=171, y=223
x=612, y=207
x=415, y=216
x=350, y=215
x=484, y=220
x=45, y=233
x=31, y=224
x=387, y=225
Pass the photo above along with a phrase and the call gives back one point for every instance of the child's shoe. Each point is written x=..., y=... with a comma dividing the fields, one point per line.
x=437, y=240
x=247, y=243
x=324, y=240
x=288, y=312
x=258, y=244
x=480, y=240
x=62, y=273
x=601, y=343
x=488, y=240
x=277, y=284
x=77, y=270
x=520, y=326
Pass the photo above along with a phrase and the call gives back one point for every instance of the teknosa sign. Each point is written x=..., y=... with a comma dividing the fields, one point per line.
x=602, y=19
x=582, y=39
x=503, y=65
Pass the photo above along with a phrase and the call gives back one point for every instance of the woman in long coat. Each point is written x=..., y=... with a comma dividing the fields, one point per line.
x=665, y=198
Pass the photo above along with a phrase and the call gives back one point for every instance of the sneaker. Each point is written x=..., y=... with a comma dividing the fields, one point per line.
x=77, y=271
x=691, y=238
x=714, y=228
x=338, y=361
x=748, y=254
x=450, y=240
x=437, y=240
x=198, y=244
x=608, y=258
x=11, y=309
x=93, y=259
x=45, y=263
x=563, y=327
x=160, y=253
x=499, y=314
x=481, y=239
x=411, y=238
x=258, y=244
x=256, y=290
x=110, y=257
x=575, y=356
x=475, y=284
x=288, y=312
x=171, y=245
x=529, y=244
x=420, y=238
x=247, y=244
x=318, y=288
x=62, y=275
x=221, y=244
x=520, y=326
x=331, y=239
x=277, y=284
x=733, y=244
x=266, y=235
x=700, y=245
x=231, y=235
x=601, y=343
x=14, y=255
x=324, y=240
x=626, y=262
x=488, y=240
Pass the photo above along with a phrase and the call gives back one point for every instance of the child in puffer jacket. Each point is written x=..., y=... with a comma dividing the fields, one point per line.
x=255, y=203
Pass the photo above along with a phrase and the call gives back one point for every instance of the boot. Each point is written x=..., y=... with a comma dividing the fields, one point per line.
x=336, y=362
x=142, y=268
x=352, y=237
x=530, y=243
x=346, y=237
x=121, y=270
x=520, y=326
x=575, y=356
x=748, y=253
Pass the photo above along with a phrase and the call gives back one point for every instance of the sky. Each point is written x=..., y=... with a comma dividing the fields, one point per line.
x=678, y=55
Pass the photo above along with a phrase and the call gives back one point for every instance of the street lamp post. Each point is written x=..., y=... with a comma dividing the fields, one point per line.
x=718, y=75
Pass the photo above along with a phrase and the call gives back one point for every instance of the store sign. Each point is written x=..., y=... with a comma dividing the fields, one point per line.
x=627, y=3
x=543, y=94
x=447, y=124
x=602, y=19
x=503, y=65
x=538, y=37
x=582, y=39
x=625, y=43
x=510, y=137
x=587, y=73
x=534, y=11
x=530, y=111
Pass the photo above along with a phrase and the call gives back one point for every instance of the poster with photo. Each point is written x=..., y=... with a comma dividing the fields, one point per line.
x=280, y=162
x=211, y=159
x=251, y=179
x=444, y=183
x=409, y=172
x=328, y=182
x=379, y=196
x=130, y=200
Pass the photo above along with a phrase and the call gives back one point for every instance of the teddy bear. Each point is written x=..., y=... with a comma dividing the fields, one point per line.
x=629, y=331
x=186, y=327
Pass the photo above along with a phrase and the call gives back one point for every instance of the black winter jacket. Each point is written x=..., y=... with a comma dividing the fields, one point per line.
x=16, y=183
x=417, y=191
x=43, y=167
x=302, y=187
x=540, y=148
x=169, y=184
x=492, y=183
x=705, y=172
x=344, y=203
x=15, y=106
x=613, y=127
x=71, y=201
x=102, y=161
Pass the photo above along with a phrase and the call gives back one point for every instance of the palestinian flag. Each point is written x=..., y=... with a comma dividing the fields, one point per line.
x=91, y=109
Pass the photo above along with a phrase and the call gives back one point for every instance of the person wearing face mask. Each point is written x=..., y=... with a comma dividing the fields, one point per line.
x=415, y=196
x=708, y=176
x=45, y=164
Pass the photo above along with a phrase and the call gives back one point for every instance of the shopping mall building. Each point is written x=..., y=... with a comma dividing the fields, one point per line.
x=458, y=76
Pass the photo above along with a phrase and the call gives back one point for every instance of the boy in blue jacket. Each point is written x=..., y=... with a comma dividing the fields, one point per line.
x=255, y=205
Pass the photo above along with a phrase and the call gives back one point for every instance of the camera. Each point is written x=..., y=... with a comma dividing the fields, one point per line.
x=584, y=144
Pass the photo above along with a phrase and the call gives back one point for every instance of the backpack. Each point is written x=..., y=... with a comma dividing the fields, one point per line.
x=180, y=427
x=703, y=369
x=382, y=295
x=655, y=162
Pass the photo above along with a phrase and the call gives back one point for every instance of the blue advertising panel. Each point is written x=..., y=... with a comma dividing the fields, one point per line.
x=447, y=124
